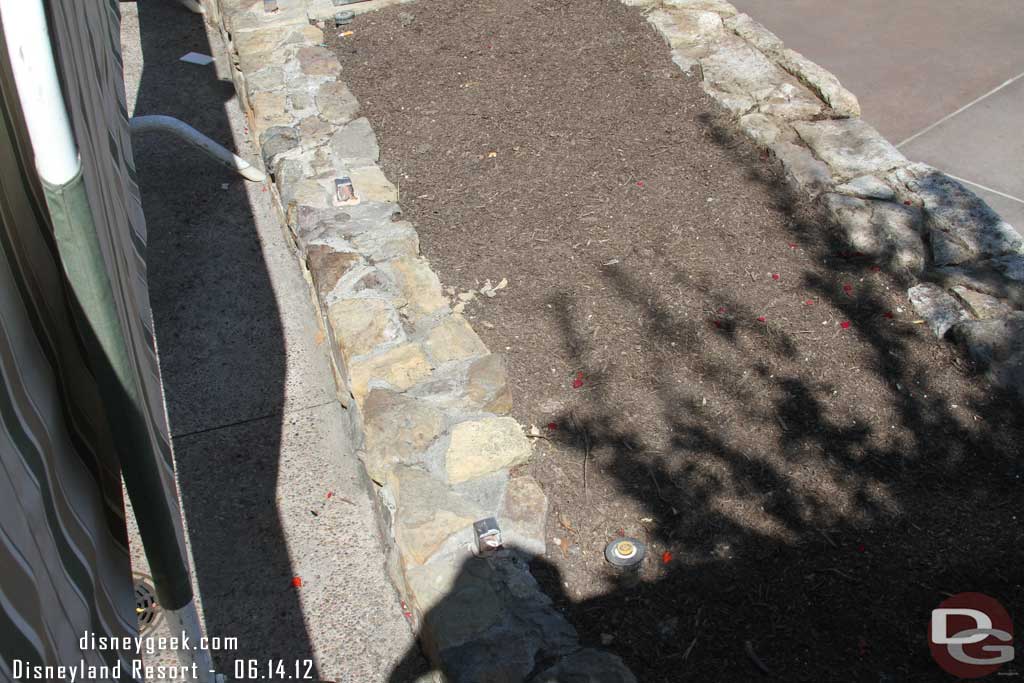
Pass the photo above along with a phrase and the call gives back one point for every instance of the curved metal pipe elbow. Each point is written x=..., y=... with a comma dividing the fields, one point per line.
x=169, y=124
x=194, y=6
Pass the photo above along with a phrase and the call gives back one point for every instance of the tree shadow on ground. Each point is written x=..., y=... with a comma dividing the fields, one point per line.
x=826, y=545
x=222, y=351
x=815, y=550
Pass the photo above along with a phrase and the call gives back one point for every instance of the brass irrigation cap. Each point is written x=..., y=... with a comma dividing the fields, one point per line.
x=625, y=552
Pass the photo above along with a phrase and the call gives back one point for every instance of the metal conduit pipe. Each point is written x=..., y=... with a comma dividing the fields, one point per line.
x=169, y=124
x=194, y=6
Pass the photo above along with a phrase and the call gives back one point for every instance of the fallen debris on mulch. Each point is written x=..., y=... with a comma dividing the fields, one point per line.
x=717, y=377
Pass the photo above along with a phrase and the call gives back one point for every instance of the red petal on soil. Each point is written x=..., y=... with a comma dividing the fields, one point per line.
x=888, y=314
x=792, y=245
x=639, y=183
x=666, y=557
x=845, y=324
x=906, y=202
x=875, y=269
x=552, y=426
x=861, y=548
x=578, y=382
x=775, y=276
x=762, y=319
x=330, y=494
x=809, y=302
x=717, y=323
x=721, y=309
x=297, y=581
x=847, y=287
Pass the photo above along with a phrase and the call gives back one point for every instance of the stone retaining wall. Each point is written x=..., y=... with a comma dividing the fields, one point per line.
x=965, y=263
x=426, y=398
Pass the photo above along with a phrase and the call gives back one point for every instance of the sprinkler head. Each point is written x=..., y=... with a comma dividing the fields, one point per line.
x=625, y=553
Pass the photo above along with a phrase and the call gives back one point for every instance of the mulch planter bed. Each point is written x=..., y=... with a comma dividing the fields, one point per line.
x=708, y=371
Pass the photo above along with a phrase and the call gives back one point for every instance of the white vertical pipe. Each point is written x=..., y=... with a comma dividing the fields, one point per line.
x=28, y=44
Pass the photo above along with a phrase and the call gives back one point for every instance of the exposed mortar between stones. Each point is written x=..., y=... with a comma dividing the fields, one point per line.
x=422, y=391
x=427, y=401
x=963, y=261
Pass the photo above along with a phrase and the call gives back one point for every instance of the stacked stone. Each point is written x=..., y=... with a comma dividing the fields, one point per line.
x=426, y=398
x=963, y=261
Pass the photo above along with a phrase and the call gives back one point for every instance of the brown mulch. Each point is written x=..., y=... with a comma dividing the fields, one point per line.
x=811, y=471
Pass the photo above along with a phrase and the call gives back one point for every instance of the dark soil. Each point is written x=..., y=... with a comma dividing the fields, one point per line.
x=811, y=470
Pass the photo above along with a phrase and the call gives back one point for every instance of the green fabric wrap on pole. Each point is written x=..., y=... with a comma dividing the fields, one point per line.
x=79, y=248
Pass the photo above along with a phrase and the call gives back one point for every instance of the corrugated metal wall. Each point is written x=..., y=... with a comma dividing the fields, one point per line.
x=63, y=544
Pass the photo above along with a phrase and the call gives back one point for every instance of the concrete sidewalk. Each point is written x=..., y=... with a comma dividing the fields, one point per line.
x=944, y=80
x=269, y=482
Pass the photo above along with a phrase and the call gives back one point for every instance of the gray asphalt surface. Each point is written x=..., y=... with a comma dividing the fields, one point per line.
x=259, y=438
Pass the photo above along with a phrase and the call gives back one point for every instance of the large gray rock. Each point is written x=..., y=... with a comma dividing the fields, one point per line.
x=947, y=249
x=487, y=385
x=718, y=6
x=826, y=85
x=982, y=306
x=790, y=102
x=453, y=339
x=1011, y=266
x=993, y=341
x=965, y=219
x=986, y=277
x=940, y=310
x=355, y=143
x=328, y=266
x=867, y=187
x=686, y=29
x=428, y=514
x=802, y=171
x=481, y=447
x=523, y=516
x=822, y=81
x=266, y=79
x=398, y=431
x=318, y=61
x=587, y=666
x=391, y=241
x=277, y=141
x=418, y=284
x=754, y=33
x=853, y=217
x=765, y=130
x=336, y=102
x=512, y=632
x=850, y=147
x=469, y=388
x=997, y=346
x=737, y=70
x=884, y=230
x=399, y=367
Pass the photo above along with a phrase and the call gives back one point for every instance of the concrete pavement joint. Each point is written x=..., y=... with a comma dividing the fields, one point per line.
x=425, y=399
x=960, y=110
x=986, y=188
x=249, y=420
